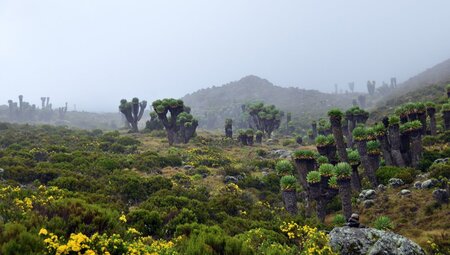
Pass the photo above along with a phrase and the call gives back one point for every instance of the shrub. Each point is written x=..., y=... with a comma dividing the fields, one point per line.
x=383, y=223
x=385, y=173
x=339, y=220
x=146, y=222
x=439, y=170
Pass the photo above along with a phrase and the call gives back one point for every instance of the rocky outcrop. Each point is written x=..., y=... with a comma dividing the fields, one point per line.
x=369, y=241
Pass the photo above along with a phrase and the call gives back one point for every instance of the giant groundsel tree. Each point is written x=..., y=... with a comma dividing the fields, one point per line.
x=265, y=118
x=180, y=125
x=133, y=111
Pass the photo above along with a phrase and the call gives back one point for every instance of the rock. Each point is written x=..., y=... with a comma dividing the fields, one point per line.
x=358, y=241
x=381, y=187
x=441, y=196
x=395, y=182
x=264, y=173
x=368, y=203
x=2, y=170
x=441, y=160
x=229, y=179
x=272, y=141
x=367, y=194
x=281, y=153
x=188, y=167
x=418, y=185
x=430, y=183
x=405, y=192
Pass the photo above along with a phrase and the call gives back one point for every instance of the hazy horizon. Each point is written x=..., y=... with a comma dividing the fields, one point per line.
x=93, y=53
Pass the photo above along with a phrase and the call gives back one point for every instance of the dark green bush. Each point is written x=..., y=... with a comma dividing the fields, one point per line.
x=146, y=222
x=439, y=170
x=387, y=172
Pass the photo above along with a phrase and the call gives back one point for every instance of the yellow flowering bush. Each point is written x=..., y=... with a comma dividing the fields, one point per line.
x=15, y=201
x=310, y=240
x=206, y=157
x=103, y=244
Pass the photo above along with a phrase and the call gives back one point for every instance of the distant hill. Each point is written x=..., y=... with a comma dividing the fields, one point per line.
x=428, y=85
x=213, y=105
x=436, y=75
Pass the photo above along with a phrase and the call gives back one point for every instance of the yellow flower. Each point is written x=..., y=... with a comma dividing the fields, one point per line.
x=43, y=231
x=123, y=218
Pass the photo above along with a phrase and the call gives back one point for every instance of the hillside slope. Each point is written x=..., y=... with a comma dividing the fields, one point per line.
x=422, y=85
x=213, y=105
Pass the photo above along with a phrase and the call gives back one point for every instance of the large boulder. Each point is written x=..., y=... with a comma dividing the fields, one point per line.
x=430, y=183
x=441, y=196
x=367, y=194
x=370, y=241
x=395, y=182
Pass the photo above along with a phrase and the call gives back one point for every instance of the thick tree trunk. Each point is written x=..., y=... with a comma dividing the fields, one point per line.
x=134, y=127
x=171, y=136
x=432, y=114
x=386, y=149
x=290, y=201
x=394, y=140
x=321, y=209
x=403, y=119
x=374, y=160
x=258, y=139
x=351, y=126
x=314, y=130
x=331, y=154
x=412, y=116
x=303, y=166
x=416, y=148
x=339, y=138
x=229, y=132
x=356, y=181
x=422, y=116
x=446, y=116
x=362, y=150
x=345, y=192
x=405, y=148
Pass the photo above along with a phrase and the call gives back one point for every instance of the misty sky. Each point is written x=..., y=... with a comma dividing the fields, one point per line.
x=93, y=53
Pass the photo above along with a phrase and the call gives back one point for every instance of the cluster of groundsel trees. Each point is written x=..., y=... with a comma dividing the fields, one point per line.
x=346, y=143
x=179, y=124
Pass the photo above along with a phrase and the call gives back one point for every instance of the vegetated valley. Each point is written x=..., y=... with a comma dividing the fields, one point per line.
x=270, y=188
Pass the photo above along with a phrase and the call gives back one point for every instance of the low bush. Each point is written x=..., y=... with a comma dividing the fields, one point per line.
x=383, y=223
x=387, y=172
x=440, y=170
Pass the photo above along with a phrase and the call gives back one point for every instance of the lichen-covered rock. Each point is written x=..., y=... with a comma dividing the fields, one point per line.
x=405, y=192
x=285, y=154
x=381, y=187
x=367, y=194
x=418, y=185
x=229, y=179
x=369, y=241
x=441, y=196
x=368, y=203
x=441, y=160
x=428, y=184
x=395, y=182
